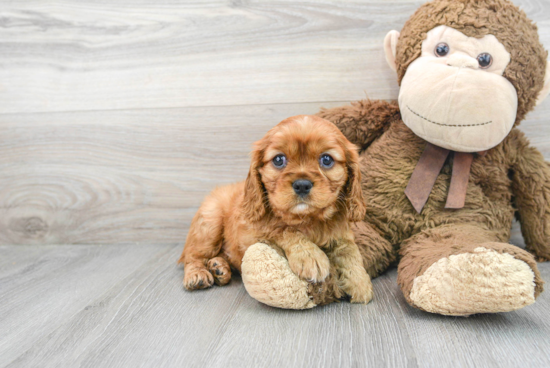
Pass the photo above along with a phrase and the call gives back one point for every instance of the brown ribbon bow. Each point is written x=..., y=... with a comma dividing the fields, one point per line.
x=427, y=170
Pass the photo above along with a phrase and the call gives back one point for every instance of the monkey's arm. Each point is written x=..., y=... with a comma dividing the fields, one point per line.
x=531, y=188
x=362, y=121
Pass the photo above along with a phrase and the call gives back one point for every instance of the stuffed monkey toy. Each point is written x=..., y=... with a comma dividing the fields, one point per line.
x=445, y=169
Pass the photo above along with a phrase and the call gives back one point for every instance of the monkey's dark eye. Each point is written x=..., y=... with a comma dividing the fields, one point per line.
x=279, y=161
x=485, y=60
x=326, y=161
x=442, y=49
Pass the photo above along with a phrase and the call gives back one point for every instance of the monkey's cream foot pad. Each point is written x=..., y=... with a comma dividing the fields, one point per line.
x=481, y=282
x=268, y=278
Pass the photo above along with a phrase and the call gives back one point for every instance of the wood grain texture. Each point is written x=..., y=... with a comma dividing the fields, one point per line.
x=55, y=313
x=118, y=117
x=104, y=55
x=131, y=176
x=99, y=55
x=134, y=176
x=99, y=142
x=42, y=287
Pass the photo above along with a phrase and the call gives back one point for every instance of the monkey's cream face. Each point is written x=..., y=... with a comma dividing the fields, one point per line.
x=455, y=96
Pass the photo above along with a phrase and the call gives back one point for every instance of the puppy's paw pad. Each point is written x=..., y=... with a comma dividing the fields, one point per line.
x=198, y=279
x=220, y=269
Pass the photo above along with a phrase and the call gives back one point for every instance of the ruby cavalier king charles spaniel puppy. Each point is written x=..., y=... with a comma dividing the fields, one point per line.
x=301, y=195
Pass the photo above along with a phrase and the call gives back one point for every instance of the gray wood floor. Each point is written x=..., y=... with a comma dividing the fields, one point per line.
x=118, y=117
x=124, y=306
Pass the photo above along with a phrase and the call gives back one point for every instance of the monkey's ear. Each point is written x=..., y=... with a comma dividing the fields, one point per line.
x=390, y=48
x=546, y=89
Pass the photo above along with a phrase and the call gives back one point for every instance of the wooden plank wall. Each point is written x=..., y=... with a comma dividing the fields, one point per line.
x=118, y=117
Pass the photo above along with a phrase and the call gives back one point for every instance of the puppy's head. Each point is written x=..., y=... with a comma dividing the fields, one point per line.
x=304, y=167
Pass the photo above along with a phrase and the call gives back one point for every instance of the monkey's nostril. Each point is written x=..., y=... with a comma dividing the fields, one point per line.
x=302, y=187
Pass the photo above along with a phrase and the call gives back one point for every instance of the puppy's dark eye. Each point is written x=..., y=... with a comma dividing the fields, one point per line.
x=326, y=161
x=442, y=49
x=279, y=161
x=485, y=60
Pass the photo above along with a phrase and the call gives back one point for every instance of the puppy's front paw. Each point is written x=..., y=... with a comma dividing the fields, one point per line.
x=361, y=294
x=357, y=285
x=310, y=264
x=197, y=278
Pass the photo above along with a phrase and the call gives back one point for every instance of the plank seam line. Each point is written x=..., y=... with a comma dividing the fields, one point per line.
x=171, y=108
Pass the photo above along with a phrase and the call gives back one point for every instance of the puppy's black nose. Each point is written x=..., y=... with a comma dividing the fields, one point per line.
x=302, y=187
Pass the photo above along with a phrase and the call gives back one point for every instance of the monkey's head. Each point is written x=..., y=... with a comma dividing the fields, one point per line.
x=469, y=70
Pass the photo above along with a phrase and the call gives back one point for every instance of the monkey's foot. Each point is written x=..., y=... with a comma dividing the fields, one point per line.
x=268, y=278
x=484, y=281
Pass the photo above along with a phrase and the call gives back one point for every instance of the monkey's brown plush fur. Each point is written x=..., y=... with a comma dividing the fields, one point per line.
x=512, y=178
x=444, y=251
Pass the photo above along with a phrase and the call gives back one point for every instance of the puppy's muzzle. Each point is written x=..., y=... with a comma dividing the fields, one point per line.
x=302, y=187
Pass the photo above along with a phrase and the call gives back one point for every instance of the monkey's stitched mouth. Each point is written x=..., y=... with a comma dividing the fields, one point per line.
x=447, y=125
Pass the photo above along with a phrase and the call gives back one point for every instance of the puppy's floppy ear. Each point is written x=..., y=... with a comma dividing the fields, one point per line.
x=354, y=194
x=254, y=192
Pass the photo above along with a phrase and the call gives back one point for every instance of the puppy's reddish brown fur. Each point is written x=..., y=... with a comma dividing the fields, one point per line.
x=313, y=230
